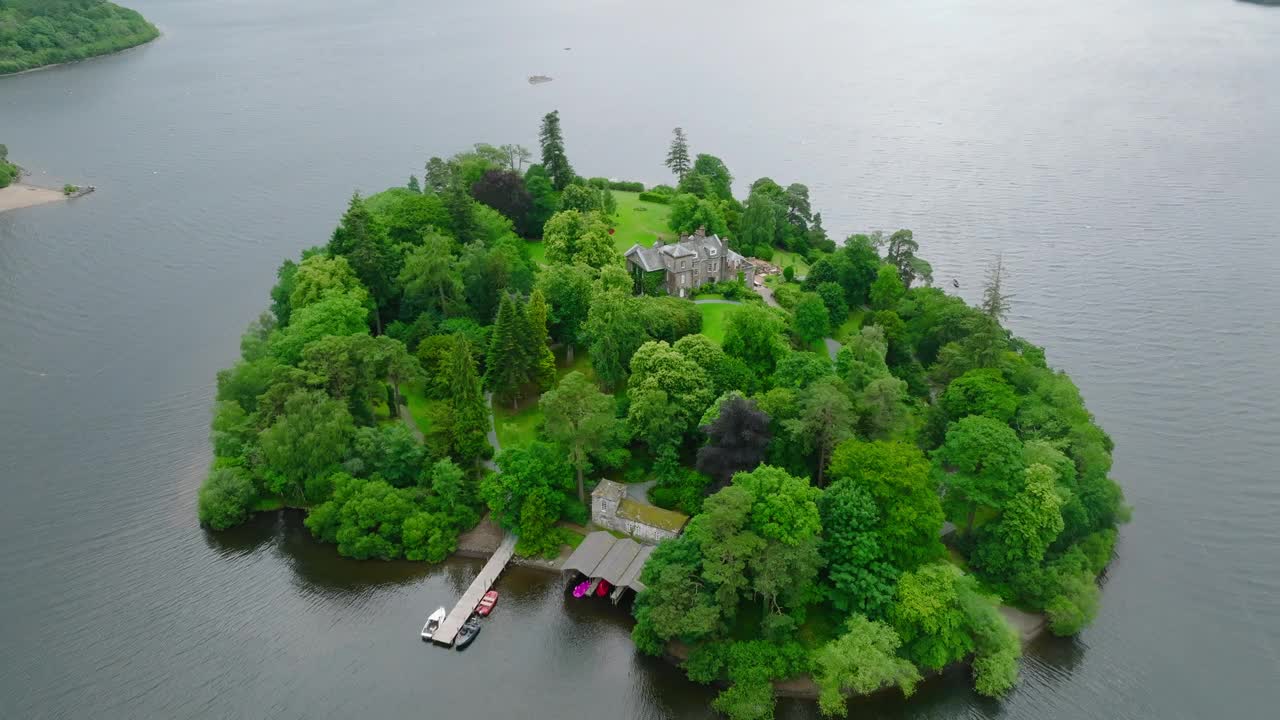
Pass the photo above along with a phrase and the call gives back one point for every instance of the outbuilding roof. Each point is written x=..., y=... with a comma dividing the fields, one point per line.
x=618, y=560
x=647, y=258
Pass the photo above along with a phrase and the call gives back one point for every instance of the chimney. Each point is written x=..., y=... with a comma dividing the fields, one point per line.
x=702, y=231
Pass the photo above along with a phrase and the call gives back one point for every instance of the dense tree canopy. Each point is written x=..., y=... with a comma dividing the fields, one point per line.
x=34, y=33
x=817, y=491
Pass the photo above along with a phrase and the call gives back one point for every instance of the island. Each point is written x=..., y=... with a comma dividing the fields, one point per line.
x=844, y=479
x=14, y=194
x=38, y=33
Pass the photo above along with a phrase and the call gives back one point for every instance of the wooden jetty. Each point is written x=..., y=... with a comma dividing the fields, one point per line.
x=448, y=629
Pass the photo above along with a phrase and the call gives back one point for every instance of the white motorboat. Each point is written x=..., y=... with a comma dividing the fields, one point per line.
x=433, y=622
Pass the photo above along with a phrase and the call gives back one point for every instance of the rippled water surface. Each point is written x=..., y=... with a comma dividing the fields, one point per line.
x=1122, y=156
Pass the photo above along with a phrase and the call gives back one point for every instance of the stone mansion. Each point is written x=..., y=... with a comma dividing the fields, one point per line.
x=693, y=261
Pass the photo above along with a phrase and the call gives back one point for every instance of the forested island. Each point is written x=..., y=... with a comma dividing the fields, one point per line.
x=872, y=467
x=35, y=33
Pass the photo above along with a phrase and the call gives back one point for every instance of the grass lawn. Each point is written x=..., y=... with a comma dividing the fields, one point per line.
x=520, y=426
x=517, y=427
x=419, y=405
x=639, y=222
x=713, y=317
x=851, y=325
x=636, y=222
x=538, y=251
x=783, y=258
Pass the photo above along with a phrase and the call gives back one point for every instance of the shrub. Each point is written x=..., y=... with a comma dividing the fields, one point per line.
x=789, y=273
x=626, y=185
x=70, y=189
x=787, y=296
x=224, y=498
x=598, y=182
x=654, y=197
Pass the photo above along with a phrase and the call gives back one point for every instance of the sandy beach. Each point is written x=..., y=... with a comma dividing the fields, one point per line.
x=19, y=195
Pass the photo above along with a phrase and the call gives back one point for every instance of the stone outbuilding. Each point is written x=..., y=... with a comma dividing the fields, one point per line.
x=612, y=509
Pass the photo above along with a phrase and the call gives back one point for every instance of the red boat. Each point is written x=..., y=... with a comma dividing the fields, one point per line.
x=487, y=602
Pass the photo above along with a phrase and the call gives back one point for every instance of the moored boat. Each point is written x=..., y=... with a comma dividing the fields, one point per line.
x=470, y=629
x=433, y=623
x=487, y=602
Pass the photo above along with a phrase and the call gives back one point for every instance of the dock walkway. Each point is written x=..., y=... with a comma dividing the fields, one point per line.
x=448, y=629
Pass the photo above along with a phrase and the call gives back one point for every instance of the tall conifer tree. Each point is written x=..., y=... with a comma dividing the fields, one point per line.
x=509, y=352
x=466, y=398
x=544, y=363
x=362, y=240
x=554, y=160
x=678, y=155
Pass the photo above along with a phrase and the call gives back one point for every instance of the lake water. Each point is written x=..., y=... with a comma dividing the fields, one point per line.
x=1122, y=156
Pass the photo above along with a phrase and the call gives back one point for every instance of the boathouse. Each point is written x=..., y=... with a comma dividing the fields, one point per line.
x=618, y=561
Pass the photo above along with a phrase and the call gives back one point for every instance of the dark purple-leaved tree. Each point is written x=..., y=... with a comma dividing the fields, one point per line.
x=738, y=438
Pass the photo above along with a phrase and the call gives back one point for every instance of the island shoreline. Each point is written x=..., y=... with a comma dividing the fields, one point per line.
x=22, y=195
x=121, y=51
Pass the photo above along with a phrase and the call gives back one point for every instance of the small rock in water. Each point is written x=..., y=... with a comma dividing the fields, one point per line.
x=539, y=79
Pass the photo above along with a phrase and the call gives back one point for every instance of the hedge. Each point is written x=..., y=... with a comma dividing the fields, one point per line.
x=654, y=197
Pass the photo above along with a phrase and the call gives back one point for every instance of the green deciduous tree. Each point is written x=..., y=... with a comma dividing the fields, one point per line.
x=543, y=196
x=799, y=370
x=811, y=321
x=929, y=617
x=389, y=451
x=833, y=297
x=530, y=493
x=899, y=478
x=319, y=275
x=981, y=462
x=365, y=518
x=689, y=213
x=656, y=367
x=753, y=334
x=708, y=179
x=862, y=660
x=337, y=313
x=573, y=237
x=859, y=572
x=761, y=225
x=982, y=391
x=826, y=418
x=614, y=330
x=568, y=290
x=888, y=289
x=581, y=198
x=311, y=438
x=1031, y=521
x=225, y=498
x=580, y=417
x=862, y=359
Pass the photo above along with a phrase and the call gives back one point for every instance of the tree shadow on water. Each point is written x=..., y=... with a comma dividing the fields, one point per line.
x=244, y=539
